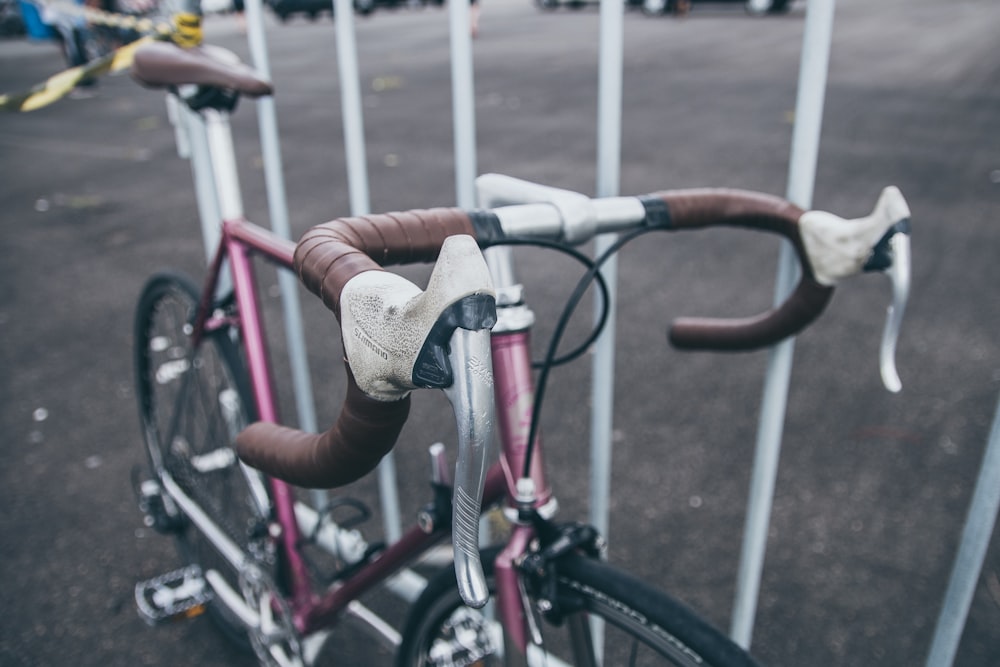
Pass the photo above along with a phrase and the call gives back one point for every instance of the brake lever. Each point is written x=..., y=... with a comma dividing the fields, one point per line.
x=471, y=396
x=839, y=248
x=892, y=256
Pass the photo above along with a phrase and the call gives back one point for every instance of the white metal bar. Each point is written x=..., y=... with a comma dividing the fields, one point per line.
x=608, y=175
x=357, y=181
x=278, y=210
x=971, y=553
x=350, y=94
x=801, y=178
x=463, y=103
x=609, y=121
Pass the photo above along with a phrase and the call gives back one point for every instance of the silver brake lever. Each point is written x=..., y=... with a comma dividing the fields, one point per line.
x=839, y=248
x=471, y=396
x=899, y=275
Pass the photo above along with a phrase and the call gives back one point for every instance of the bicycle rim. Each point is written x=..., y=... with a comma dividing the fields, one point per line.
x=192, y=403
x=641, y=626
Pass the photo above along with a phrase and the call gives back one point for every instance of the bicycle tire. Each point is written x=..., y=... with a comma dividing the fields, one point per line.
x=192, y=403
x=643, y=626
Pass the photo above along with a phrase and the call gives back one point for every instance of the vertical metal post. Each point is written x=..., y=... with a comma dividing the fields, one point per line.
x=971, y=554
x=463, y=104
x=278, y=210
x=609, y=113
x=801, y=178
x=609, y=122
x=357, y=182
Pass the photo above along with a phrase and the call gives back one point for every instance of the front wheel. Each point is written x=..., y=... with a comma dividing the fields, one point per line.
x=642, y=626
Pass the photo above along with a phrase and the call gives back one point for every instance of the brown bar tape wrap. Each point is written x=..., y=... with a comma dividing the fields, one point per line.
x=693, y=209
x=365, y=432
x=332, y=253
x=326, y=258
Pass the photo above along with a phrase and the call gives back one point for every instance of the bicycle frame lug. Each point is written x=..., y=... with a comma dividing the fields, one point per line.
x=509, y=296
x=525, y=497
x=425, y=519
x=510, y=318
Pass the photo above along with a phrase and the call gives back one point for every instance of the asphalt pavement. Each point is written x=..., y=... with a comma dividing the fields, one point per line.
x=873, y=487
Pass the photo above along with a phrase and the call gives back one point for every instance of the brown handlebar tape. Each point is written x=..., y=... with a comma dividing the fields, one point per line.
x=326, y=258
x=332, y=253
x=364, y=433
x=694, y=209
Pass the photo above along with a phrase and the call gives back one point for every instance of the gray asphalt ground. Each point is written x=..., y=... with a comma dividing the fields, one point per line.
x=873, y=488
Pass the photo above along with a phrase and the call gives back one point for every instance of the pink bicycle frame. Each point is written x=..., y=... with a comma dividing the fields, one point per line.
x=240, y=242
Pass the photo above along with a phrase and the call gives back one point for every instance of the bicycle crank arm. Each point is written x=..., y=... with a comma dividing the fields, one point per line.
x=471, y=396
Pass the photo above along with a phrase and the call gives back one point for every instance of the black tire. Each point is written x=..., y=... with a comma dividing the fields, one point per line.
x=643, y=626
x=192, y=403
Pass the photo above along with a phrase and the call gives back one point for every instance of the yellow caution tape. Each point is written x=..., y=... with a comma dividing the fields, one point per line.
x=185, y=32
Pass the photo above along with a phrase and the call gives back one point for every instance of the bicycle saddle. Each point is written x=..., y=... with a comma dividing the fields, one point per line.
x=166, y=65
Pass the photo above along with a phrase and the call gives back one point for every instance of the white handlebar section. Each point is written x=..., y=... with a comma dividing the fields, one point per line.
x=533, y=210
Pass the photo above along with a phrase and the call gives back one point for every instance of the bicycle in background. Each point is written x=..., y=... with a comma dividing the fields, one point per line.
x=223, y=468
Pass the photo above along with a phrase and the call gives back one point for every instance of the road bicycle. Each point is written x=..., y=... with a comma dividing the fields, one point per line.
x=224, y=469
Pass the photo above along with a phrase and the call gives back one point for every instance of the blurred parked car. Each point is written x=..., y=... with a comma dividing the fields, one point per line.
x=313, y=8
x=754, y=7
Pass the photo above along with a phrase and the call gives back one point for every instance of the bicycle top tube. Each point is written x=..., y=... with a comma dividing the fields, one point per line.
x=398, y=338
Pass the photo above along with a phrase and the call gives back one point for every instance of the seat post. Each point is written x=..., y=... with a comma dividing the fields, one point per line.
x=223, y=159
x=192, y=144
